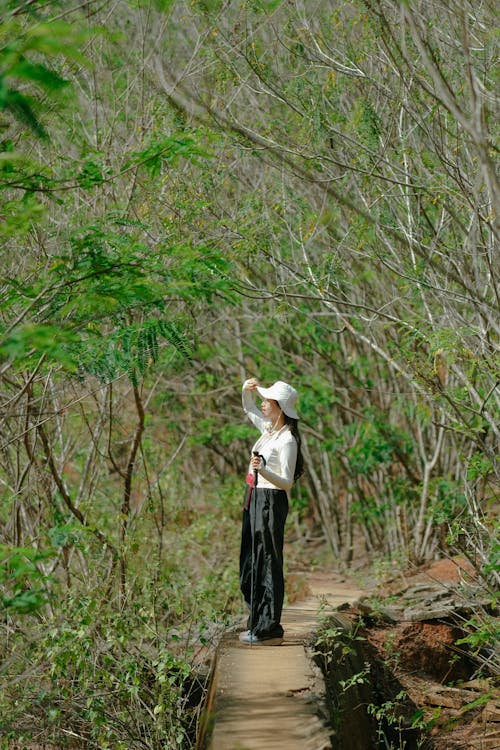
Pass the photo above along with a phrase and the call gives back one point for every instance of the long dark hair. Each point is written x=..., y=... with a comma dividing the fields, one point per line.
x=294, y=429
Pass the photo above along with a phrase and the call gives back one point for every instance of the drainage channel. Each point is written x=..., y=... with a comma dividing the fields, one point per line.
x=368, y=709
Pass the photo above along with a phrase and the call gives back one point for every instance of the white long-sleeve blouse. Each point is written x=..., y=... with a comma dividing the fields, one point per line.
x=279, y=448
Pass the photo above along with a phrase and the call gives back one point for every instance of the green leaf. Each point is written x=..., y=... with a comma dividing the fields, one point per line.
x=22, y=108
x=177, y=338
x=60, y=536
x=38, y=74
x=90, y=174
x=167, y=150
x=58, y=38
x=25, y=602
x=32, y=339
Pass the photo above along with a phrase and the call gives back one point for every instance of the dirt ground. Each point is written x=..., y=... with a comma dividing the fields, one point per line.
x=460, y=705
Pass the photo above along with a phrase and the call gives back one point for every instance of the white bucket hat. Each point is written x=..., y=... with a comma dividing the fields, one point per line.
x=284, y=394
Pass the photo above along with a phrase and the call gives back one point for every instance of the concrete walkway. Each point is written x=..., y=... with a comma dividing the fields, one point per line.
x=266, y=697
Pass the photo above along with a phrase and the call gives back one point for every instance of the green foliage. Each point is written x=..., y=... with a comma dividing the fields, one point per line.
x=119, y=671
x=92, y=294
x=479, y=466
x=65, y=534
x=335, y=642
x=359, y=678
x=209, y=6
x=104, y=672
x=23, y=584
x=263, y=6
x=168, y=150
x=482, y=639
x=449, y=501
x=21, y=44
x=163, y=6
x=370, y=450
x=132, y=350
x=33, y=341
x=388, y=714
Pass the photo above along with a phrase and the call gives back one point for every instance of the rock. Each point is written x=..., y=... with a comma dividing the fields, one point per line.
x=363, y=605
x=421, y=588
x=442, y=596
x=419, y=614
x=391, y=614
x=482, y=686
x=448, y=697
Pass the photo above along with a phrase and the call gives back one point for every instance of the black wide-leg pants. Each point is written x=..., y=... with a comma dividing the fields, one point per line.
x=264, y=525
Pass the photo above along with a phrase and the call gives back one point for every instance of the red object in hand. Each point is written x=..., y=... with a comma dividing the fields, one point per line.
x=250, y=482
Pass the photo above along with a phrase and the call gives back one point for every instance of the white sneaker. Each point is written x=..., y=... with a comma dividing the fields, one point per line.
x=252, y=640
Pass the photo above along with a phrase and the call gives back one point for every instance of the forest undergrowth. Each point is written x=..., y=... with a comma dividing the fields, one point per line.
x=89, y=669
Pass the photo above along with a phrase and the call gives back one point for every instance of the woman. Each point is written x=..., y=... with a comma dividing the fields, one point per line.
x=276, y=462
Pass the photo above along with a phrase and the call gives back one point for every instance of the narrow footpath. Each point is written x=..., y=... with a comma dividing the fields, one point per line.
x=266, y=697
